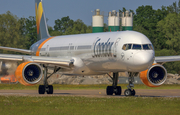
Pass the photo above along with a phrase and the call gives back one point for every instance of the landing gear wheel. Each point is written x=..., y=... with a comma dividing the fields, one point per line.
x=41, y=89
x=118, y=90
x=127, y=92
x=50, y=89
x=109, y=90
x=114, y=88
x=133, y=92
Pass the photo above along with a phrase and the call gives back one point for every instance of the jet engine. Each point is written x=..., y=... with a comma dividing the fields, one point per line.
x=28, y=73
x=155, y=76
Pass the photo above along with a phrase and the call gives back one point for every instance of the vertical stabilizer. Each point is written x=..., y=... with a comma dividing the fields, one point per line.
x=42, y=30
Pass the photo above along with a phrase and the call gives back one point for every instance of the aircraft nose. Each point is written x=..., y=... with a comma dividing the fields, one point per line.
x=143, y=60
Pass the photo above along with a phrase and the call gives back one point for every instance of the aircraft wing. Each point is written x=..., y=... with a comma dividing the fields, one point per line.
x=163, y=59
x=16, y=50
x=64, y=63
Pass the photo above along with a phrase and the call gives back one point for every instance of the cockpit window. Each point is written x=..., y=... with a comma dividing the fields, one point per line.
x=128, y=46
x=137, y=46
x=151, y=47
x=146, y=47
x=124, y=46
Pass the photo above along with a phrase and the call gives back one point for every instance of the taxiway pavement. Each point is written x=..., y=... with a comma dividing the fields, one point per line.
x=95, y=93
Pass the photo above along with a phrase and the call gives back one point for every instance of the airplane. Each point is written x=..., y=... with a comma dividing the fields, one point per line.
x=89, y=54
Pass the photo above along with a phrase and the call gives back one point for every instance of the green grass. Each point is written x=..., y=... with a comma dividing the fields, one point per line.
x=69, y=87
x=74, y=105
x=77, y=105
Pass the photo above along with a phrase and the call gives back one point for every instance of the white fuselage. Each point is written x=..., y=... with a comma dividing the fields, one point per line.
x=101, y=52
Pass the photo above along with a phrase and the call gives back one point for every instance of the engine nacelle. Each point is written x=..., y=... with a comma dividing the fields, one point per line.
x=155, y=76
x=28, y=73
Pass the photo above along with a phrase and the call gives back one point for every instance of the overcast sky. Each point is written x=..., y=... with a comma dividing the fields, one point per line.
x=75, y=9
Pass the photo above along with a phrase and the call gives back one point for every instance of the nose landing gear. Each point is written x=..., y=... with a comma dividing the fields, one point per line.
x=130, y=91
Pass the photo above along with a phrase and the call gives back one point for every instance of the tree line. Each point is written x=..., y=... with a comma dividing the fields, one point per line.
x=161, y=26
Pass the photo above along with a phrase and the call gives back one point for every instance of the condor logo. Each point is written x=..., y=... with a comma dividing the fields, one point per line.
x=39, y=11
x=102, y=48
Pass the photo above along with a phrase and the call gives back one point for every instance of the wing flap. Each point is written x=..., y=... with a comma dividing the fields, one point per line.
x=53, y=61
x=167, y=59
x=11, y=57
x=62, y=62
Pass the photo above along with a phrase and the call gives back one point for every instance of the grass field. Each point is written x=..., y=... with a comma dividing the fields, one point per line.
x=70, y=105
x=77, y=105
x=68, y=87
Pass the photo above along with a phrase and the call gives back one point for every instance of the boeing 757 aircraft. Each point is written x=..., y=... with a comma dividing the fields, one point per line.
x=89, y=54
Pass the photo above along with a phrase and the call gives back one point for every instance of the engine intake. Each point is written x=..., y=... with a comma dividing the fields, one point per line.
x=154, y=76
x=28, y=73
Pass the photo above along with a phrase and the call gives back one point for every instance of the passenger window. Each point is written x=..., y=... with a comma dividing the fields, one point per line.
x=137, y=46
x=128, y=46
x=124, y=46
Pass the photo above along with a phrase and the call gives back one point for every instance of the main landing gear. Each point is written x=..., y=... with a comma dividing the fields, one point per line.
x=117, y=89
x=46, y=88
x=114, y=88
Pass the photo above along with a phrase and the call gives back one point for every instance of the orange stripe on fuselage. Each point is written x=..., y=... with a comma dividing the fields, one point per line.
x=40, y=46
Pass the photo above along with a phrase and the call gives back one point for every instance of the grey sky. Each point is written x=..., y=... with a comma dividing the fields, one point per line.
x=75, y=9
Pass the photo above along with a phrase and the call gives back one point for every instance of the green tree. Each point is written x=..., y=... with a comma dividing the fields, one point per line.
x=145, y=21
x=78, y=28
x=105, y=27
x=67, y=26
x=145, y=18
x=10, y=32
x=89, y=29
x=170, y=28
x=174, y=8
x=123, y=10
x=63, y=24
x=29, y=30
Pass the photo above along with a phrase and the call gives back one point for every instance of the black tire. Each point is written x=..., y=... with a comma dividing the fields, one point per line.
x=127, y=92
x=41, y=89
x=50, y=89
x=133, y=92
x=118, y=92
x=109, y=90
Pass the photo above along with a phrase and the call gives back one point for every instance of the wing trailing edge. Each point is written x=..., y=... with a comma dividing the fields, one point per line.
x=16, y=50
x=61, y=62
x=163, y=59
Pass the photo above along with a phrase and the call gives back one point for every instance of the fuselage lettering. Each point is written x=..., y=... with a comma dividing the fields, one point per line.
x=102, y=48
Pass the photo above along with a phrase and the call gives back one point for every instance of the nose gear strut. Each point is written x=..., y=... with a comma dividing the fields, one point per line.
x=130, y=91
